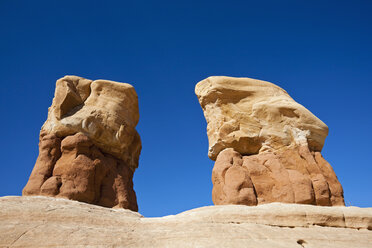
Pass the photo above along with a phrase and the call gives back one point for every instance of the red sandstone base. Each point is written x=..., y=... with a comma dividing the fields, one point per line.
x=74, y=168
x=296, y=175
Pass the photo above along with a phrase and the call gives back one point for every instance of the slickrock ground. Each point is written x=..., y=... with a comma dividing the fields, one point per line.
x=89, y=147
x=37, y=221
x=266, y=145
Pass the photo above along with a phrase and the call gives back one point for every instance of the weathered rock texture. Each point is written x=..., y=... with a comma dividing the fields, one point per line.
x=293, y=176
x=27, y=221
x=89, y=148
x=251, y=116
x=266, y=145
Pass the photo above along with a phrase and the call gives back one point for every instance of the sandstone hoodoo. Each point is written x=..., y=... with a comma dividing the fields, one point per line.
x=89, y=147
x=266, y=146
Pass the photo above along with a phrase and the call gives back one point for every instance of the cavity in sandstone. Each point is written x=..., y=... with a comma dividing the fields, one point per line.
x=89, y=147
x=266, y=146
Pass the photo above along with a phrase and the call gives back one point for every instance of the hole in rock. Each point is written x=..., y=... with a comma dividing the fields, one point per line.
x=301, y=242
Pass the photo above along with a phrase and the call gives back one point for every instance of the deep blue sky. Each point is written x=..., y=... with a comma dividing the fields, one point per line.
x=319, y=51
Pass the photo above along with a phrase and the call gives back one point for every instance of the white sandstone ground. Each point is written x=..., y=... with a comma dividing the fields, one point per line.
x=51, y=222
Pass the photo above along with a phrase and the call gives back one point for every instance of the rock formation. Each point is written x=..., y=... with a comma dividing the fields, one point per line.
x=266, y=145
x=49, y=222
x=89, y=148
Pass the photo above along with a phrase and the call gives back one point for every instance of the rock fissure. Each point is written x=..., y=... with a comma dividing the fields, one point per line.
x=23, y=234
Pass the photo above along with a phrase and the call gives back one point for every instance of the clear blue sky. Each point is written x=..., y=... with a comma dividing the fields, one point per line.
x=319, y=51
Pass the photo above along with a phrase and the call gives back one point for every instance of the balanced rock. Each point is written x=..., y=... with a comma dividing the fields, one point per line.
x=89, y=147
x=266, y=145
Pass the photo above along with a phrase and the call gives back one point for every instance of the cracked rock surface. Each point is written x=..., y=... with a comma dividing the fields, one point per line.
x=27, y=221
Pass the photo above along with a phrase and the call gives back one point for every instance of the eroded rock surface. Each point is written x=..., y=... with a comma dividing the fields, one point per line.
x=27, y=221
x=252, y=115
x=105, y=111
x=266, y=145
x=295, y=175
x=89, y=148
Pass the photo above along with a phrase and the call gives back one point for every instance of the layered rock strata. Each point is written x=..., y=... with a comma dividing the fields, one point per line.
x=27, y=221
x=89, y=148
x=266, y=145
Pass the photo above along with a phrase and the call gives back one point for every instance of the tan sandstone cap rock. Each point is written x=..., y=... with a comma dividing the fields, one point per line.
x=254, y=116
